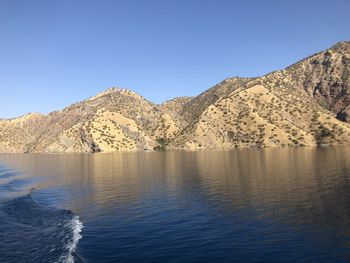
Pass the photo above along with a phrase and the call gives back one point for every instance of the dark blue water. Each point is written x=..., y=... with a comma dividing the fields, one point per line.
x=30, y=232
x=277, y=205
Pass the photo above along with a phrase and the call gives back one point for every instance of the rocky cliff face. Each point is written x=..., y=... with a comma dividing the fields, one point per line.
x=307, y=104
x=326, y=77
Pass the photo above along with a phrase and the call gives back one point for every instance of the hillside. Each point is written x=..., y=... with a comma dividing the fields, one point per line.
x=114, y=120
x=307, y=104
x=326, y=77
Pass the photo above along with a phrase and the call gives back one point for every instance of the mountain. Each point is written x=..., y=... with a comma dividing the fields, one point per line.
x=326, y=77
x=306, y=104
x=114, y=120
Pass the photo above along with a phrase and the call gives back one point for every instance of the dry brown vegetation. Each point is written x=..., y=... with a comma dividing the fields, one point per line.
x=307, y=104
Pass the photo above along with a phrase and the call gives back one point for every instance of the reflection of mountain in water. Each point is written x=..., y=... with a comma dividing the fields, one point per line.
x=313, y=182
x=288, y=201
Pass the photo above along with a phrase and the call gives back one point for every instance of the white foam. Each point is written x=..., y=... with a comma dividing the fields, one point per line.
x=77, y=227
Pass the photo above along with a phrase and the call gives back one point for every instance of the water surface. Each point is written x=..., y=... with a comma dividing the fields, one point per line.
x=252, y=205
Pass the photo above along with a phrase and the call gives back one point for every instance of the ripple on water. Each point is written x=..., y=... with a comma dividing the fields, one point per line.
x=30, y=232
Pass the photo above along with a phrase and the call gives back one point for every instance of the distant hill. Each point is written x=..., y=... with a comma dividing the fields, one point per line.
x=306, y=104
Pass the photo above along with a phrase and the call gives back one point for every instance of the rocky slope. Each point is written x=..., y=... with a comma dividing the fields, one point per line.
x=114, y=120
x=307, y=104
x=326, y=77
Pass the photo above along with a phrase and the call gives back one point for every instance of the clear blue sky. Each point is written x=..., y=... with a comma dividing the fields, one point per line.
x=54, y=53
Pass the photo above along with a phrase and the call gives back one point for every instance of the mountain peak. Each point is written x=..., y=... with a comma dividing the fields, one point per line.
x=112, y=90
x=341, y=45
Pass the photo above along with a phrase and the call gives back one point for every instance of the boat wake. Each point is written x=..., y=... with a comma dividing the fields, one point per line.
x=76, y=226
x=30, y=232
